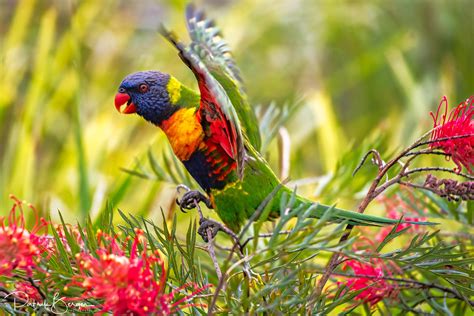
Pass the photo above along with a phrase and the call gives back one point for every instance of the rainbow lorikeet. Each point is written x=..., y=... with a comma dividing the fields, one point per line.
x=215, y=132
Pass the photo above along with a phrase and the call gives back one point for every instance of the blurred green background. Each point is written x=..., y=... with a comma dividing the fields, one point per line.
x=360, y=67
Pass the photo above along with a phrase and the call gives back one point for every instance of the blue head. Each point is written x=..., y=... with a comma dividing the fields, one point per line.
x=146, y=94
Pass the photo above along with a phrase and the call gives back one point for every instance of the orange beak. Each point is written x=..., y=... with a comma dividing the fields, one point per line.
x=123, y=103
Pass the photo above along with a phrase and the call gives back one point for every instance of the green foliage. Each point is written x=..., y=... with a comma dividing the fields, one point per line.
x=279, y=270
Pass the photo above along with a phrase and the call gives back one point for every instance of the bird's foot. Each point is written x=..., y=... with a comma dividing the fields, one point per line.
x=191, y=198
x=206, y=224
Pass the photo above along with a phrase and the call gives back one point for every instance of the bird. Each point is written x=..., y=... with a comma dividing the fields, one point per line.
x=214, y=131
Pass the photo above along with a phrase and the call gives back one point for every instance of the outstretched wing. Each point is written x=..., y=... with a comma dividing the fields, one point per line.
x=208, y=44
x=216, y=107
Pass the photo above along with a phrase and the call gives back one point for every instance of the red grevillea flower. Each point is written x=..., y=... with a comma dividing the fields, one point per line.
x=384, y=231
x=128, y=284
x=19, y=248
x=370, y=277
x=449, y=130
x=26, y=291
x=395, y=207
x=73, y=231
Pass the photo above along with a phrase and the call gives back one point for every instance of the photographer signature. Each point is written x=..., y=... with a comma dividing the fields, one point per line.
x=58, y=305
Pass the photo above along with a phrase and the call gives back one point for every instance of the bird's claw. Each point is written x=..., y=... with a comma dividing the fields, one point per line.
x=182, y=187
x=205, y=224
x=190, y=200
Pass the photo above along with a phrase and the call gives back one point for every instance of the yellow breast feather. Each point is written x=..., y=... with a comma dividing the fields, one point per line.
x=184, y=132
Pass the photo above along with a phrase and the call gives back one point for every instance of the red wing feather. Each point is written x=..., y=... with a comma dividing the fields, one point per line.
x=216, y=108
x=221, y=131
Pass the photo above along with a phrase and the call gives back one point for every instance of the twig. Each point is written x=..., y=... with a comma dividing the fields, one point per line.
x=426, y=169
x=33, y=284
x=378, y=160
x=418, y=186
x=442, y=139
x=413, y=309
x=268, y=235
x=427, y=152
x=234, y=236
x=212, y=253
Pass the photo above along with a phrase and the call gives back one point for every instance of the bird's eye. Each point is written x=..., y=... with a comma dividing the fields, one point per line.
x=122, y=90
x=143, y=88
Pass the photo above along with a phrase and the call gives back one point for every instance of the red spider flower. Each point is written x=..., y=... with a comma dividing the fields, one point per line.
x=395, y=207
x=127, y=284
x=19, y=248
x=370, y=277
x=454, y=133
x=73, y=231
x=26, y=291
x=384, y=231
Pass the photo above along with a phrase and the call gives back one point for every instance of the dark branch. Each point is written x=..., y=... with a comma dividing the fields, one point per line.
x=442, y=139
x=441, y=169
x=427, y=152
x=378, y=161
x=268, y=235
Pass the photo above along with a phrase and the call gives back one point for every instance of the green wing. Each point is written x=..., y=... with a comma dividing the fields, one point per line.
x=206, y=37
x=208, y=43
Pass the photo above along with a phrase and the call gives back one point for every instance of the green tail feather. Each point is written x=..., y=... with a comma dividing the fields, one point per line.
x=357, y=219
